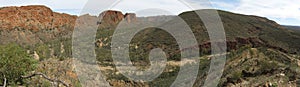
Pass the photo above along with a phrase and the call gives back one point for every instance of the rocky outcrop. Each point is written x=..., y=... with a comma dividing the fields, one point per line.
x=114, y=17
x=29, y=25
x=34, y=18
x=111, y=18
x=36, y=56
x=33, y=24
x=130, y=17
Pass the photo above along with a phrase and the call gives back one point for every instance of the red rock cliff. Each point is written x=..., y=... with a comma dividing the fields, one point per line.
x=130, y=17
x=36, y=23
x=34, y=17
x=111, y=17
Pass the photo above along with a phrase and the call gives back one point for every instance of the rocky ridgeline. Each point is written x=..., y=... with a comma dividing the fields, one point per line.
x=28, y=25
x=37, y=17
x=33, y=18
x=114, y=17
x=36, y=23
x=110, y=19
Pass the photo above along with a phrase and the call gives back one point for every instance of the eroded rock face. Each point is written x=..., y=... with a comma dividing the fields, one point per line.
x=34, y=17
x=130, y=17
x=33, y=24
x=111, y=17
x=29, y=25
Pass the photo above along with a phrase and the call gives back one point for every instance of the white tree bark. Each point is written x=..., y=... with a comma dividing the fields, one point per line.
x=5, y=81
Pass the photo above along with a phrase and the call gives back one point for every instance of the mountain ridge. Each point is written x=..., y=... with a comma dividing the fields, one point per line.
x=52, y=24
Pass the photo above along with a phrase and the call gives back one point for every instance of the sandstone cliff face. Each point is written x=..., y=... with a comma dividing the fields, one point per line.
x=28, y=25
x=111, y=18
x=33, y=24
x=114, y=17
x=33, y=18
x=130, y=17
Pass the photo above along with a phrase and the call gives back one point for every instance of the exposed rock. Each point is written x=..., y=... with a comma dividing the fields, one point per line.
x=86, y=20
x=130, y=17
x=33, y=24
x=36, y=56
x=62, y=50
x=29, y=25
x=33, y=17
x=111, y=17
x=99, y=43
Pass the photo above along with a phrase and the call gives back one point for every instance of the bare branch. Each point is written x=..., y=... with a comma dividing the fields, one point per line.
x=45, y=77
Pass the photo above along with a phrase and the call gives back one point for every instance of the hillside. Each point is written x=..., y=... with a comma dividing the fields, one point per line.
x=241, y=30
x=258, y=31
x=260, y=52
x=247, y=36
x=293, y=28
x=33, y=24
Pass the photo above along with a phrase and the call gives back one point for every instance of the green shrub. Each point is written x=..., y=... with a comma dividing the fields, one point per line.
x=14, y=63
x=43, y=51
x=236, y=75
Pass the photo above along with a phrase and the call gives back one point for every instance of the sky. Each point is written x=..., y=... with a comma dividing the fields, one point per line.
x=285, y=12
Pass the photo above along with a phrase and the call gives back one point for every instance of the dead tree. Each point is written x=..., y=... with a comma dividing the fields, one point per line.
x=47, y=78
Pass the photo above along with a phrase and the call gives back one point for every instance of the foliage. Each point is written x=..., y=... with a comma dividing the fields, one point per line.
x=15, y=62
x=236, y=75
x=43, y=51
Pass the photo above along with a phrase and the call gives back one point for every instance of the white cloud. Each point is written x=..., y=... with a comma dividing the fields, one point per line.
x=274, y=8
x=277, y=9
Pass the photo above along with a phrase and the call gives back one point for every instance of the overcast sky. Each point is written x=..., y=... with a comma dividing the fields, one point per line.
x=285, y=12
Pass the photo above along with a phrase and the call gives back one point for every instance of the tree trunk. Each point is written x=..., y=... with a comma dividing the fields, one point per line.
x=5, y=81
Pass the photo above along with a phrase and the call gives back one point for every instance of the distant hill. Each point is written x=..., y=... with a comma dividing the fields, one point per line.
x=291, y=27
x=294, y=28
